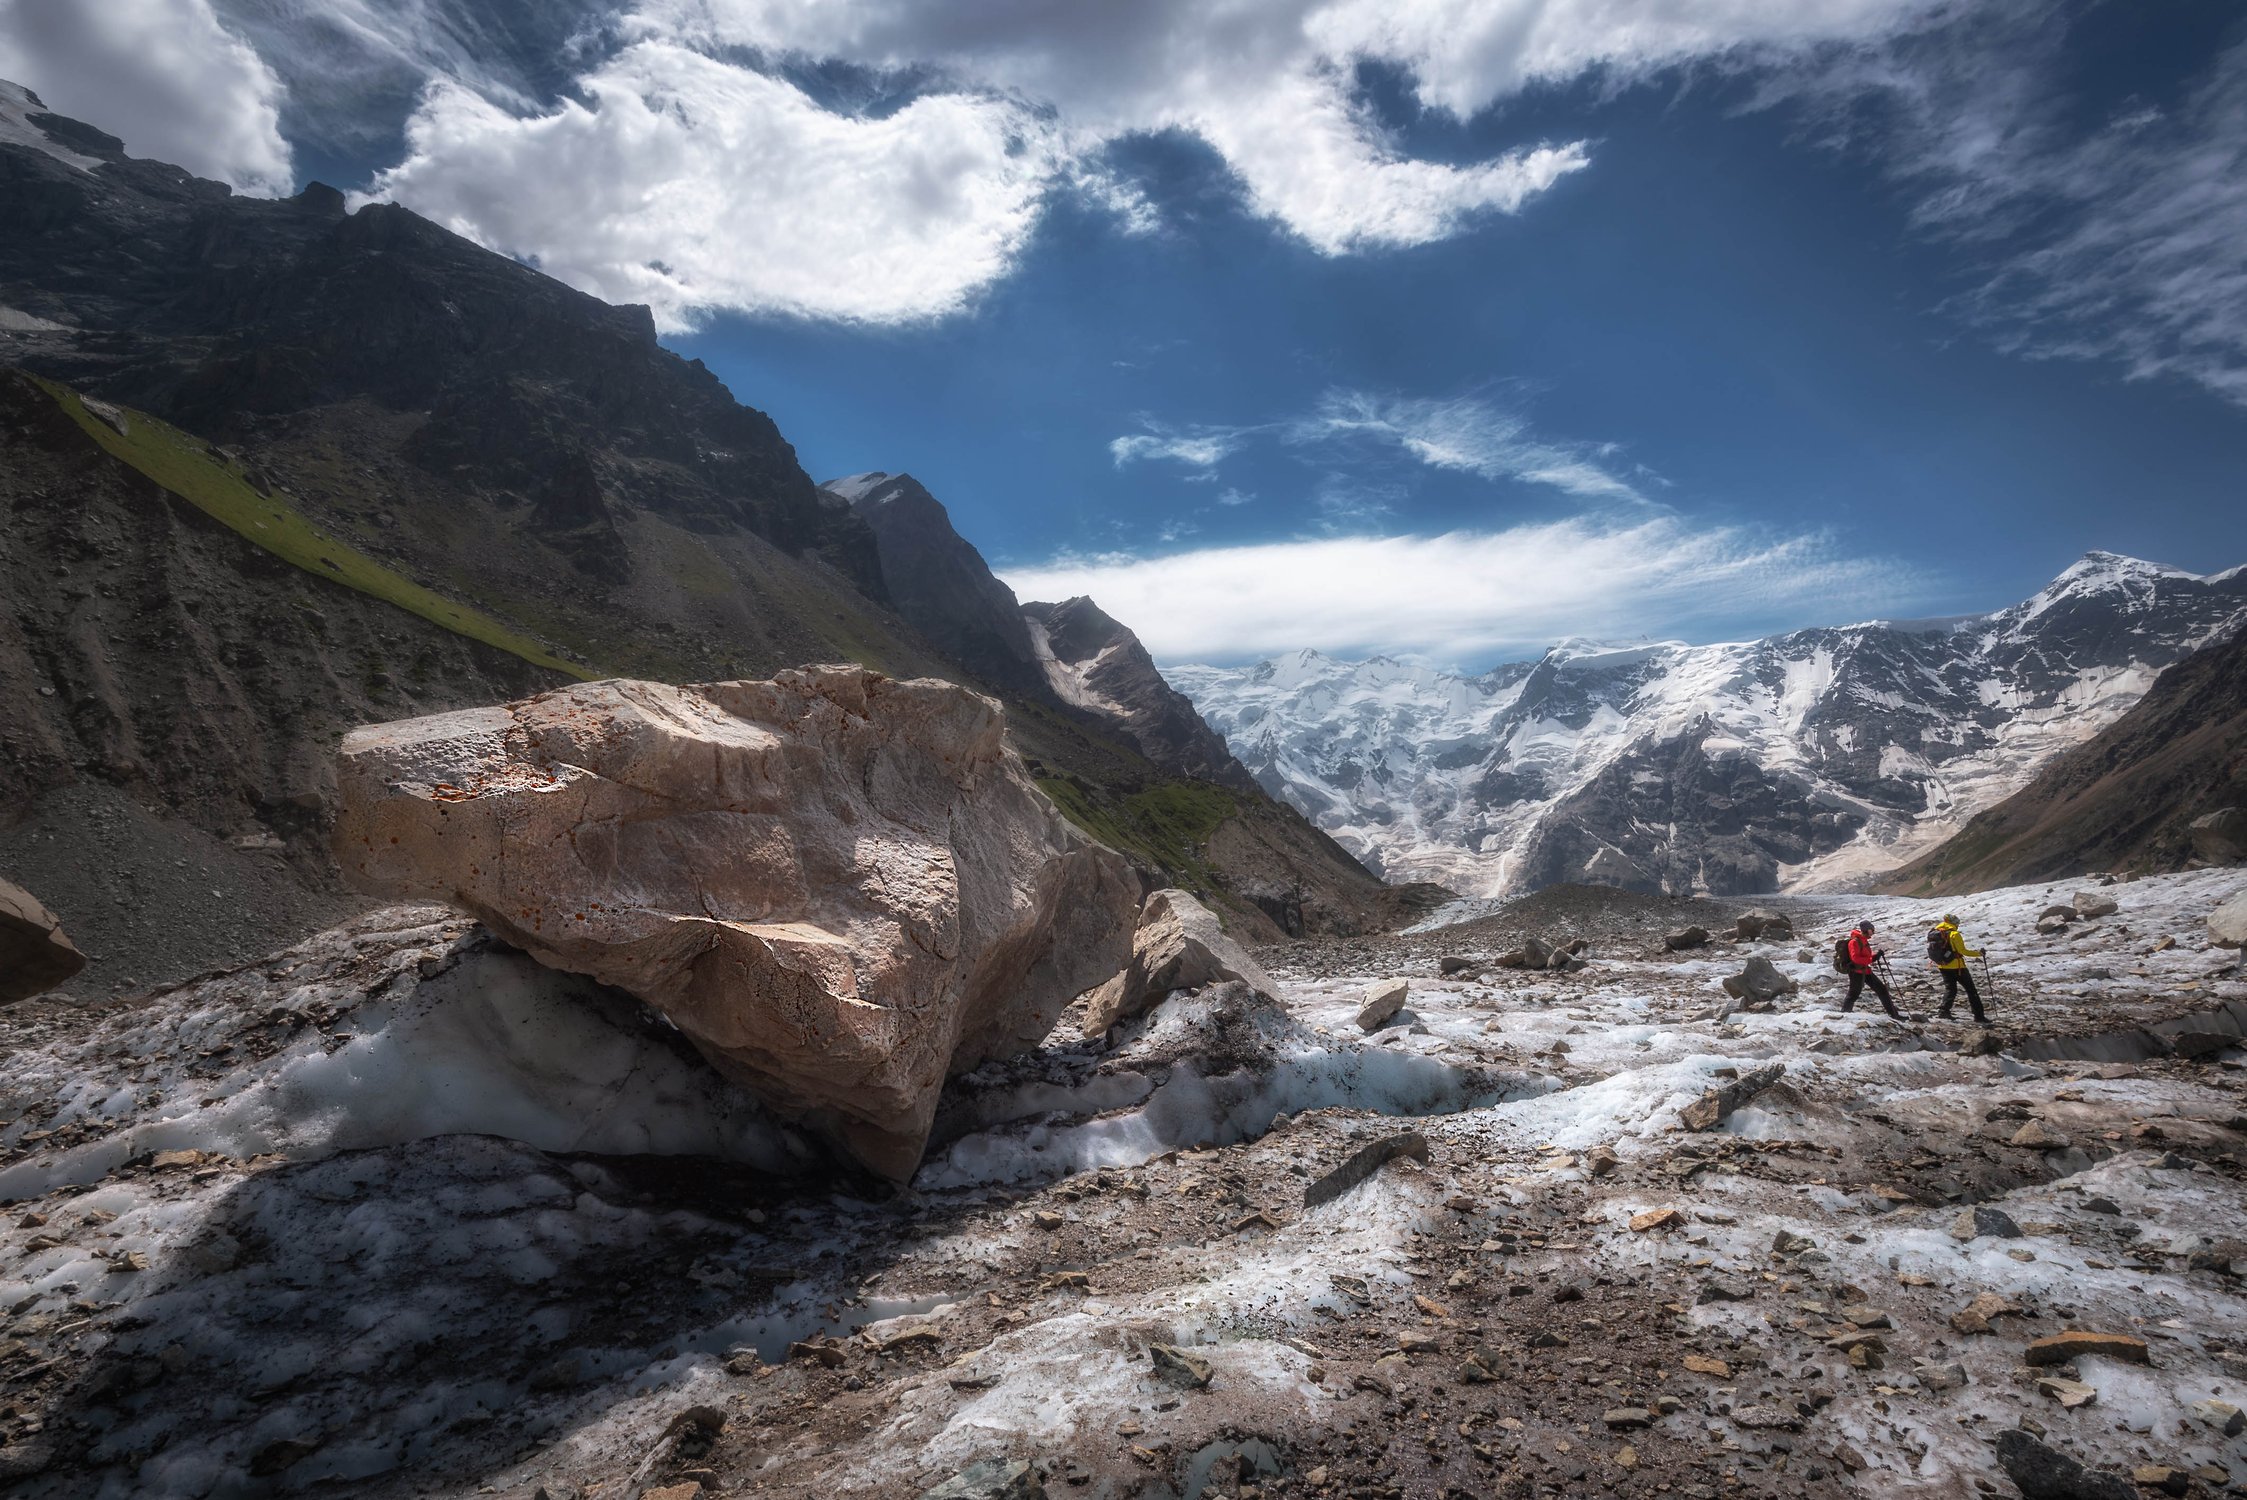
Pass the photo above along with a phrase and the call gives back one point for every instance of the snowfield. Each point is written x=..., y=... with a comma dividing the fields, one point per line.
x=398, y=1213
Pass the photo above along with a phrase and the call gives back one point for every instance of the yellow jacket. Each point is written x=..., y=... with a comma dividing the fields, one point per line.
x=1959, y=951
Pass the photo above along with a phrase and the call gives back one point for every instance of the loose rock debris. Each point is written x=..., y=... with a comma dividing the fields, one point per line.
x=1838, y=1292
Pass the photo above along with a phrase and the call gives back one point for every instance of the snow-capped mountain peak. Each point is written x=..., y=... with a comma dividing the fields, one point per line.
x=1806, y=759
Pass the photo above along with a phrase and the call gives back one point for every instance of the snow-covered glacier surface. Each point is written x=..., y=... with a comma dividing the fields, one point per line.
x=1802, y=761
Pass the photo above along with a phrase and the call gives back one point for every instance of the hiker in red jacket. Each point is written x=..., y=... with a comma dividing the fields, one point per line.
x=1862, y=956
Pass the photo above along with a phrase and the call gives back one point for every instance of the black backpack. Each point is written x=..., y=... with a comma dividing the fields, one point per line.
x=1939, y=946
x=1841, y=963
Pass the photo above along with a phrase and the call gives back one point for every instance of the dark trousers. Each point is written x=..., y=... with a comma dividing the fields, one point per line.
x=1859, y=981
x=1955, y=980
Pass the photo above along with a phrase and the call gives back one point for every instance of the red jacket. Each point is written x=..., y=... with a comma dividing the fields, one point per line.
x=1860, y=952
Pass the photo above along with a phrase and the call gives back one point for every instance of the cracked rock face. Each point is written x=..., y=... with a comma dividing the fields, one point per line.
x=842, y=888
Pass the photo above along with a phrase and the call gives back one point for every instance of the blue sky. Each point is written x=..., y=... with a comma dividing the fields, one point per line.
x=1436, y=327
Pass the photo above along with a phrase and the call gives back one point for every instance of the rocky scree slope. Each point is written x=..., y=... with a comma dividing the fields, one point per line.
x=395, y=423
x=2125, y=799
x=1815, y=758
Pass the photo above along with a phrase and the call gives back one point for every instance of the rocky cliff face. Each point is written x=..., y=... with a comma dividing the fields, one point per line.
x=939, y=582
x=2125, y=799
x=1807, y=759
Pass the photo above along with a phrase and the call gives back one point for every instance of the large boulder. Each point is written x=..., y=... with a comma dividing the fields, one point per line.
x=1763, y=926
x=34, y=954
x=2220, y=837
x=2227, y=924
x=1178, y=946
x=841, y=888
x=1381, y=1003
x=2095, y=904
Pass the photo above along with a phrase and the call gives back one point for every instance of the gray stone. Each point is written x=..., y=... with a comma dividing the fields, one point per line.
x=1711, y=1109
x=1982, y=1220
x=1179, y=1366
x=1940, y=1377
x=2045, y=1473
x=1763, y=926
x=1177, y=945
x=1760, y=979
x=2094, y=904
x=1684, y=938
x=1382, y=1002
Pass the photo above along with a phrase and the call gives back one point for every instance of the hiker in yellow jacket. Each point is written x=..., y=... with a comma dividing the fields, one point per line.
x=1947, y=950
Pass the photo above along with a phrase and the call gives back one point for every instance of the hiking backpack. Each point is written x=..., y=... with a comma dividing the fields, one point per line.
x=1939, y=946
x=1841, y=964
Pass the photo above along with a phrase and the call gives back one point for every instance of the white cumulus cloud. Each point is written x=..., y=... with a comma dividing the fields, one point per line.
x=163, y=76
x=1469, y=597
x=687, y=183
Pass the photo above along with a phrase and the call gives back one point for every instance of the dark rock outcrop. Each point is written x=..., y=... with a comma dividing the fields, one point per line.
x=940, y=583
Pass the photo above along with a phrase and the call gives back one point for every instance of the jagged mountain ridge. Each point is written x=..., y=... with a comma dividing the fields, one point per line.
x=1809, y=759
x=1073, y=652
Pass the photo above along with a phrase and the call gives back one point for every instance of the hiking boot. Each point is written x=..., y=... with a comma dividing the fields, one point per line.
x=1942, y=1015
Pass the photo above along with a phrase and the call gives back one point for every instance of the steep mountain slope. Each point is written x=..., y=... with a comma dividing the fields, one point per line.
x=343, y=466
x=939, y=582
x=1096, y=663
x=1804, y=760
x=2122, y=800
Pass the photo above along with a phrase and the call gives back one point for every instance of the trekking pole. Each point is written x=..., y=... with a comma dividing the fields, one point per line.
x=1987, y=982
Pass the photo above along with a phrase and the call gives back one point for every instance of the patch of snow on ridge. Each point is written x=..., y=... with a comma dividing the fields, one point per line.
x=856, y=487
x=17, y=105
x=1072, y=681
x=14, y=320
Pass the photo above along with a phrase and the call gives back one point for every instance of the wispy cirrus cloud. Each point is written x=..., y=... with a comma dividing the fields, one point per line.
x=2117, y=237
x=1475, y=434
x=1197, y=447
x=1471, y=434
x=1468, y=597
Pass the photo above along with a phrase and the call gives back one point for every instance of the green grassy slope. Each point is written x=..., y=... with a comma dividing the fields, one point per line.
x=184, y=466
